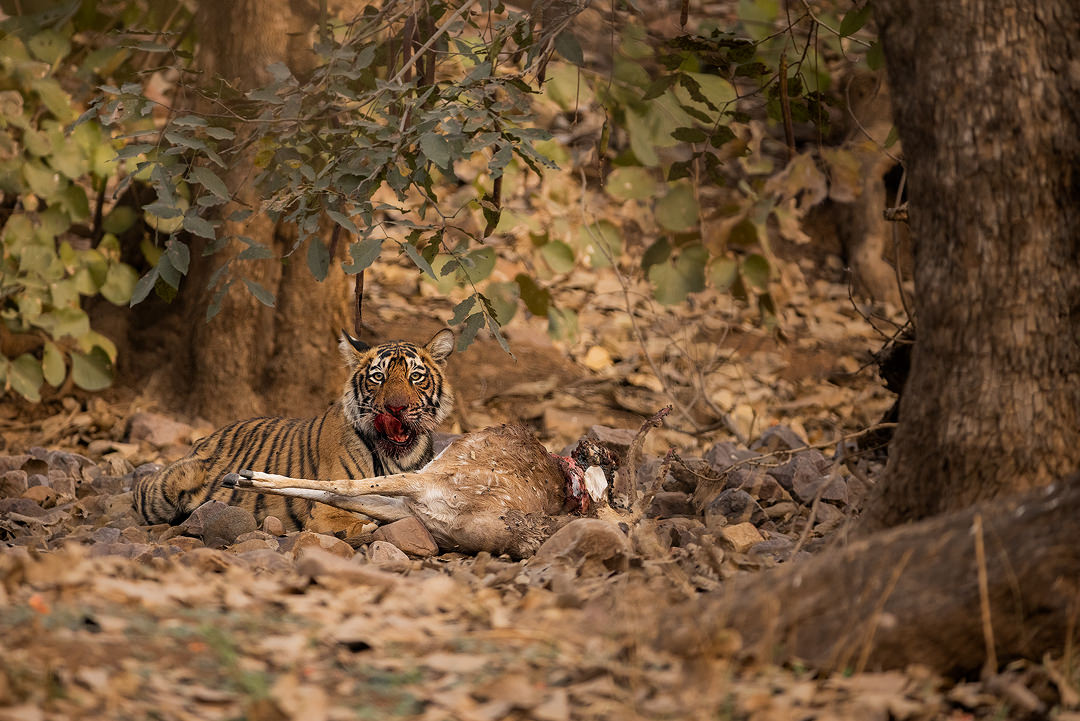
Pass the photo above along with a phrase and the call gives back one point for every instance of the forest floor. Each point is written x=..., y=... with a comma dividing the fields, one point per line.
x=104, y=617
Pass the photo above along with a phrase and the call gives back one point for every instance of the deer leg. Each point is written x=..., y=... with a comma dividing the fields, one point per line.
x=332, y=493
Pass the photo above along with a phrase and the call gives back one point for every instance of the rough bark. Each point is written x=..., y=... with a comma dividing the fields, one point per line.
x=910, y=595
x=987, y=104
x=251, y=359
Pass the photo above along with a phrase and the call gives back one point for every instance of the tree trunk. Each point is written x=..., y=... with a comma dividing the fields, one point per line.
x=252, y=359
x=911, y=594
x=987, y=104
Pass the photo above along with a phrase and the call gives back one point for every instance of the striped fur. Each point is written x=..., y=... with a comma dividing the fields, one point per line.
x=395, y=390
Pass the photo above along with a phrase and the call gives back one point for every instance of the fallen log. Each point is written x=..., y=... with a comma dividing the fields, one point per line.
x=994, y=582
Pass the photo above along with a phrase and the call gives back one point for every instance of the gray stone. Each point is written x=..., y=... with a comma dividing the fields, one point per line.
x=803, y=469
x=617, y=439
x=11, y=463
x=732, y=506
x=778, y=438
x=13, y=483
x=296, y=543
x=722, y=455
x=587, y=545
x=666, y=504
x=218, y=524
x=679, y=532
x=21, y=506
x=778, y=548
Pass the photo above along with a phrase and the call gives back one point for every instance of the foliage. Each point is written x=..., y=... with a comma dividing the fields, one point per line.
x=57, y=250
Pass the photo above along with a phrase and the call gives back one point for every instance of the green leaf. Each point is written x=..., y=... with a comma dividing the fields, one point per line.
x=875, y=56
x=755, y=269
x=461, y=310
x=563, y=324
x=482, y=262
x=658, y=252
x=143, y=287
x=436, y=148
x=318, y=258
x=54, y=98
x=179, y=255
x=723, y=272
x=468, y=331
x=690, y=135
x=119, y=220
x=344, y=221
x=119, y=283
x=854, y=19
x=503, y=298
x=199, y=226
x=601, y=243
x=25, y=377
x=893, y=136
x=558, y=255
x=678, y=210
x=537, y=299
x=675, y=279
x=92, y=371
x=567, y=45
x=48, y=46
x=363, y=254
x=52, y=365
x=630, y=183
x=220, y=133
x=261, y=294
x=414, y=254
x=209, y=180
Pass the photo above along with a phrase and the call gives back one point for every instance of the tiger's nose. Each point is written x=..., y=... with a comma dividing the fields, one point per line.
x=396, y=410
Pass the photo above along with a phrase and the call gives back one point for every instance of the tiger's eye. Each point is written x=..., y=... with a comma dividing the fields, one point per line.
x=376, y=376
x=417, y=376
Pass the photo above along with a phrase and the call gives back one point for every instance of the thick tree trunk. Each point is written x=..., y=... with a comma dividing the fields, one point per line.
x=251, y=359
x=911, y=594
x=987, y=103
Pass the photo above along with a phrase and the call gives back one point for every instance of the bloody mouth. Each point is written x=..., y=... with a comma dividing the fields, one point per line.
x=392, y=430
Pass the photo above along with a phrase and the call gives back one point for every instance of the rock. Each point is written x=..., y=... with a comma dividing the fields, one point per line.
x=778, y=438
x=617, y=439
x=588, y=545
x=135, y=534
x=782, y=511
x=722, y=455
x=107, y=485
x=13, y=483
x=777, y=548
x=157, y=429
x=802, y=476
x=385, y=552
x=740, y=537
x=666, y=504
x=687, y=474
x=124, y=550
x=326, y=567
x=35, y=464
x=410, y=536
x=273, y=526
x=207, y=560
x=104, y=447
x=12, y=463
x=218, y=524
x=105, y=535
x=21, y=506
x=679, y=532
x=253, y=544
x=37, y=479
x=761, y=486
x=830, y=488
x=597, y=358
x=733, y=506
x=264, y=560
x=295, y=543
x=828, y=513
x=63, y=484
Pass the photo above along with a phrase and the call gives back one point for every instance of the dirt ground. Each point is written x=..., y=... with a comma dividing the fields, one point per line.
x=104, y=617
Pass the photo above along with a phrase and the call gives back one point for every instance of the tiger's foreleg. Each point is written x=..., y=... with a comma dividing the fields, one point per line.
x=356, y=496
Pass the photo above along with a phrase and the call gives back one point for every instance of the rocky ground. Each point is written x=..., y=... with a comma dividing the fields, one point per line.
x=102, y=616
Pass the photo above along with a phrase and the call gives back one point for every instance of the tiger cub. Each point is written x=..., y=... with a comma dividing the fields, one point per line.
x=395, y=397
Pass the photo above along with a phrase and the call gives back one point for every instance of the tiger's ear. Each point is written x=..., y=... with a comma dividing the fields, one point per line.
x=350, y=347
x=441, y=345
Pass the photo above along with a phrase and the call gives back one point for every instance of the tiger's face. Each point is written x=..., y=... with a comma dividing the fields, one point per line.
x=397, y=393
